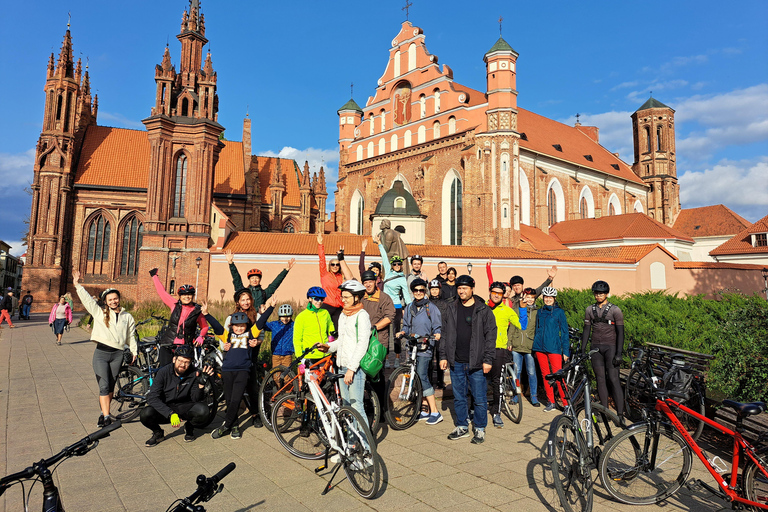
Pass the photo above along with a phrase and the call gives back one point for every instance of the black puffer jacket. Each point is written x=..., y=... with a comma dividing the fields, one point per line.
x=482, y=347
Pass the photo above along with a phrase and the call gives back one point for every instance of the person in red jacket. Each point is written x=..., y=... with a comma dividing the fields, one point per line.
x=330, y=279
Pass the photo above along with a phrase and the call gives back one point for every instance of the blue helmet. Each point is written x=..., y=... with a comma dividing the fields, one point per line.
x=316, y=292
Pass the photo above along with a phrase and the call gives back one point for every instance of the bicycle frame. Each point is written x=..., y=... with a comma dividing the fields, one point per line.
x=326, y=410
x=739, y=444
x=405, y=391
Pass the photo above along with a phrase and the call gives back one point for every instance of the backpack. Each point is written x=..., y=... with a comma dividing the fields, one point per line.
x=596, y=319
x=373, y=360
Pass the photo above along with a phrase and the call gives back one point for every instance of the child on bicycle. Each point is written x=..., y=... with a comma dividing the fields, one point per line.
x=421, y=320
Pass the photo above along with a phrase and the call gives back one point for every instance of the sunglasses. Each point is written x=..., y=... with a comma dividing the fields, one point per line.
x=335, y=264
x=397, y=263
x=420, y=290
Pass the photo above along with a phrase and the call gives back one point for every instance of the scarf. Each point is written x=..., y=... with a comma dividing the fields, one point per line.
x=493, y=304
x=419, y=303
x=373, y=297
x=312, y=307
x=351, y=310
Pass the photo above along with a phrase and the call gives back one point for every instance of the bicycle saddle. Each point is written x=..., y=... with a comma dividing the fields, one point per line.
x=745, y=409
x=332, y=377
x=558, y=375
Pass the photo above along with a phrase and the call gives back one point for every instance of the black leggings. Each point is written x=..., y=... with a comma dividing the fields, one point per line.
x=194, y=413
x=334, y=312
x=602, y=364
x=235, y=384
x=398, y=320
x=494, y=377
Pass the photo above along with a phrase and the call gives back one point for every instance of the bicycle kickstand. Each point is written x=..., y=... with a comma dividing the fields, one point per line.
x=325, y=463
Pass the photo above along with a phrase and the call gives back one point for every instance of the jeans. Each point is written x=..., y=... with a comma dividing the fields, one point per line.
x=461, y=379
x=422, y=369
x=25, y=310
x=352, y=394
x=530, y=367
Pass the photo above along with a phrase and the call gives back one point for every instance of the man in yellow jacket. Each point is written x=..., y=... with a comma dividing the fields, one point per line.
x=505, y=316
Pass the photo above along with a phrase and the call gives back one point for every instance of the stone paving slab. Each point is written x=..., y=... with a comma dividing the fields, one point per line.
x=49, y=399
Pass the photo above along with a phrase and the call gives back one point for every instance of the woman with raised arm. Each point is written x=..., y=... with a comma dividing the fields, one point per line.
x=330, y=279
x=114, y=330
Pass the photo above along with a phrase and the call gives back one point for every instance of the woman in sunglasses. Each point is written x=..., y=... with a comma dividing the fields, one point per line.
x=330, y=279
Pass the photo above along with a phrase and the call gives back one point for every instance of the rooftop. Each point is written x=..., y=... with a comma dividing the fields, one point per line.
x=741, y=243
x=614, y=227
x=715, y=220
x=652, y=103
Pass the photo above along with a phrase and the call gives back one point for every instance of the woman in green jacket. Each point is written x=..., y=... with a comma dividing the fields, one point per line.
x=521, y=342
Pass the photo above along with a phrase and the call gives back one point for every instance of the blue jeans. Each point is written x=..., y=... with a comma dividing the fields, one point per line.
x=422, y=369
x=25, y=310
x=352, y=395
x=461, y=378
x=530, y=366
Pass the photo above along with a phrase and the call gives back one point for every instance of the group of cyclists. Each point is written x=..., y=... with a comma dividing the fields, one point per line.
x=470, y=336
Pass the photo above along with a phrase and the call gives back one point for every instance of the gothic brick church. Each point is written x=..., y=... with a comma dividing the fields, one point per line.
x=479, y=166
x=115, y=202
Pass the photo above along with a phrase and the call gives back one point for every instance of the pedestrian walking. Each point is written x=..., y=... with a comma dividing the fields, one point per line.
x=60, y=318
x=6, y=308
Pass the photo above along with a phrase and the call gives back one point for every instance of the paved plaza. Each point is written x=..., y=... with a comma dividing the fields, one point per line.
x=48, y=399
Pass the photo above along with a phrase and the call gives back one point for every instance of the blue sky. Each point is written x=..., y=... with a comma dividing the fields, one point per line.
x=290, y=65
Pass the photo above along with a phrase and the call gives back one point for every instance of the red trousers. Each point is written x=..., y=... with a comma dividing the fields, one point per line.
x=5, y=316
x=550, y=363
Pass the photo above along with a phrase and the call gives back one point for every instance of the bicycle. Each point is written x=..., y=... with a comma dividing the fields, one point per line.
x=651, y=460
x=310, y=425
x=510, y=393
x=39, y=470
x=572, y=449
x=207, y=488
x=404, y=388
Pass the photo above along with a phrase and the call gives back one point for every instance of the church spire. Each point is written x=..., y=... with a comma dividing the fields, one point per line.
x=65, y=67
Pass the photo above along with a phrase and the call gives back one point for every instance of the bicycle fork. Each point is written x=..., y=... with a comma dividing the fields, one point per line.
x=405, y=393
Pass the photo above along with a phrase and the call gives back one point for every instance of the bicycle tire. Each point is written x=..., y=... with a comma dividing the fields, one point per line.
x=361, y=464
x=637, y=396
x=509, y=395
x=573, y=482
x=297, y=427
x=131, y=381
x=271, y=383
x=756, y=483
x=625, y=471
x=605, y=423
x=372, y=407
x=211, y=392
x=694, y=426
x=403, y=412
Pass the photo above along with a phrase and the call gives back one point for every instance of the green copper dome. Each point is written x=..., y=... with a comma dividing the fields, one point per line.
x=397, y=201
x=501, y=46
x=351, y=105
x=652, y=103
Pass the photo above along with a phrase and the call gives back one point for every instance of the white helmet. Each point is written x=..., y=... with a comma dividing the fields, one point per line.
x=549, y=292
x=352, y=286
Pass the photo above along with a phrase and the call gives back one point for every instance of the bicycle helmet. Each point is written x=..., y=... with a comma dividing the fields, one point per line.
x=375, y=264
x=417, y=257
x=316, y=293
x=241, y=291
x=368, y=275
x=516, y=280
x=186, y=289
x=352, y=286
x=184, y=351
x=254, y=272
x=108, y=291
x=497, y=284
x=285, y=310
x=435, y=283
x=418, y=282
x=239, y=318
x=600, y=287
x=549, y=292
x=465, y=280
x=395, y=259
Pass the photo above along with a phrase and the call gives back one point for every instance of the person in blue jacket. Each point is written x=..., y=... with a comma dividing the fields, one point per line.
x=550, y=342
x=282, y=336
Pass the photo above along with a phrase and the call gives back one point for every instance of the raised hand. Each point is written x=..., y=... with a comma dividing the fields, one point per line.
x=319, y=239
x=552, y=272
x=291, y=263
x=153, y=272
x=365, y=244
x=204, y=308
x=230, y=256
x=75, y=277
x=272, y=301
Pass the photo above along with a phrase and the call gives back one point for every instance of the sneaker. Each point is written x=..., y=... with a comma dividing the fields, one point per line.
x=108, y=420
x=479, y=436
x=497, y=422
x=100, y=423
x=388, y=364
x=156, y=438
x=189, y=437
x=458, y=433
x=220, y=432
x=423, y=416
x=536, y=404
x=257, y=423
x=435, y=418
x=235, y=433
x=551, y=407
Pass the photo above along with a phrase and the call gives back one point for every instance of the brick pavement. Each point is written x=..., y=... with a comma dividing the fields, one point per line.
x=48, y=399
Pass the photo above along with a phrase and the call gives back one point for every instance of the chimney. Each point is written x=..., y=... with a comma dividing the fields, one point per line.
x=589, y=131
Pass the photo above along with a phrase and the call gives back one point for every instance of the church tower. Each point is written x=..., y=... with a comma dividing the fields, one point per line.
x=653, y=131
x=69, y=110
x=183, y=133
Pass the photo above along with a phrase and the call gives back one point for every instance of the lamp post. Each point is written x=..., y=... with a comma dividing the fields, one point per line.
x=469, y=268
x=198, y=260
x=765, y=281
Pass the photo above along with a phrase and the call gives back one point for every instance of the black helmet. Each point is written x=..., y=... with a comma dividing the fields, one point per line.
x=516, y=280
x=368, y=275
x=241, y=291
x=498, y=284
x=435, y=283
x=418, y=282
x=465, y=280
x=184, y=351
x=239, y=318
x=600, y=287
x=186, y=289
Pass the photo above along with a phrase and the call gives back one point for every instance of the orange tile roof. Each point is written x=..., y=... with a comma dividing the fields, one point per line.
x=229, y=173
x=539, y=240
x=613, y=227
x=615, y=254
x=114, y=157
x=713, y=264
x=715, y=220
x=542, y=133
x=741, y=243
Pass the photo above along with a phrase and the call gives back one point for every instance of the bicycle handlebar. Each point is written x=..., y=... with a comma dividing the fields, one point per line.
x=224, y=472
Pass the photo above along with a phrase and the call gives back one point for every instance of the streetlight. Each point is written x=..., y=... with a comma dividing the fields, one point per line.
x=765, y=281
x=198, y=260
x=469, y=268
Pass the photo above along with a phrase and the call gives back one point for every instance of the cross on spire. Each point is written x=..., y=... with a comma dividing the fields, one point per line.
x=408, y=5
x=577, y=118
x=69, y=19
x=352, y=89
x=500, y=20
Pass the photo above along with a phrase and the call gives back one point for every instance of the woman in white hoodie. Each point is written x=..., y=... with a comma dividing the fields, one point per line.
x=114, y=330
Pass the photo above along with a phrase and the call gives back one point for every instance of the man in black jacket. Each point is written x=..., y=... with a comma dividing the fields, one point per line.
x=176, y=394
x=468, y=347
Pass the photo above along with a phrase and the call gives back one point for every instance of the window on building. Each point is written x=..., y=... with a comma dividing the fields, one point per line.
x=370, y=124
x=133, y=232
x=397, y=64
x=412, y=57
x=611, y=209
x=551, y=207
x=437, y=101
x=658, y=138
x=383, y=120
x=761, y=239
x=370, y=149
x=400, y=202
x=422, y=134
x=359, y=152
x=407, y=139
x=382, y=146
x=436, y=130
x=422, y=106
x=451, y=125
x=98, y=246
x=648, y=139
x=288, y=228
x=456, y=212
x=393, y=143
x=360, y=208
x=264, y=225
x=180, y=186
x=584, y=208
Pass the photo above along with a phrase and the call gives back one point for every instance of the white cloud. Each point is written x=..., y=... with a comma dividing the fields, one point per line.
x=730, y=182
x=327, y=158
x=119, y=121
x=16, y=248
x=16, y=171
x=641, y=95
x=615, y=131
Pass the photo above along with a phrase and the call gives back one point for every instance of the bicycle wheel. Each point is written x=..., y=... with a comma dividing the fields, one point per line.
x=573, y=479
x=756, y=483
x=213, y=389
x=361, y=462
x=403, y=408
x=637, y=396
x=605, y=422
x=297, y=426
x=270, y=390
x=511, y=397
x=637, y=469
x=372, y=407
x=131, y=387
x=694, y=426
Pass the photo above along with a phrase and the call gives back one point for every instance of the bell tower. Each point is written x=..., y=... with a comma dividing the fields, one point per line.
x=653, y=133
x=183, y=133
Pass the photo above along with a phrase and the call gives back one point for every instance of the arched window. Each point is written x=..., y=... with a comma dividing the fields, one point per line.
x=422, y=134
x=452, y=209
x=436, y=130
x=614, y=205
x=370, y=149
x=97, y=257
x=422, y=106
x=451, y=125
x=400, y=203
x=382, y=146
x=393, y=143
x=412, y=57
x=583, y=208
x=611, y=209
x=555, y=202
x=180, y=186
x=356, y=209
x=288, y=228
x=456, y=212
x=397, y=64
x=525, y=199
x=407, y=139
x=658, y=138
x=370, y=123
x=437, y=100
x=133, y=232
x=551, y=207
x=639, y=207
x=185, y=107
x=586, y=204
x=383, y=120
x=359, y=152
x=648, y=139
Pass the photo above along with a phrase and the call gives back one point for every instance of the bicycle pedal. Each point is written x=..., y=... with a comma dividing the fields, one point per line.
x=694, y=484
x=321, y=468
